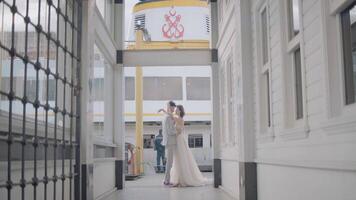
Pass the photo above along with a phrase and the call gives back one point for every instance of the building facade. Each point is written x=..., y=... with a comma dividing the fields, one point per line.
x=287, y=77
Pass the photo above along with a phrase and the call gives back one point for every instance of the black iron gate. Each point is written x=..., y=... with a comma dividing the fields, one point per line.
x=39, y=98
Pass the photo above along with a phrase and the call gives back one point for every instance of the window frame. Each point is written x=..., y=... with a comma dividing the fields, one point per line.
x=294, y=126
x=230, y=99
x=294, y=44
x=290, y=16
x=196, y=136
x=339, y=117
x=264, y=95
x=349, y=80
x=298, y=85
x=107, y=136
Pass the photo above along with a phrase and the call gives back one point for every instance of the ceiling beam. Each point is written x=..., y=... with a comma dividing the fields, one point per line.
x=167, y=57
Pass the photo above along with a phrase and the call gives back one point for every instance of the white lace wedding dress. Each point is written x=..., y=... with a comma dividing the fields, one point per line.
x=185, y=171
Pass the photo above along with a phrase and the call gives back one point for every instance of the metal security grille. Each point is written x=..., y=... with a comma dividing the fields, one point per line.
x=39, y=97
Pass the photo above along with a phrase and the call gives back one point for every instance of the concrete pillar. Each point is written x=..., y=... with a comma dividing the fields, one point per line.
x=86, y=106
x=119, y=126
x=215, y=93
x=246, y=137
x=119, y=95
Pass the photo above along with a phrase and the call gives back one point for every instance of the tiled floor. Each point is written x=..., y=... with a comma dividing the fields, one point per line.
x=150, y=188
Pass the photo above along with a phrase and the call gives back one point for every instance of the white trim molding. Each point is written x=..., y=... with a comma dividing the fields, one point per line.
x=340, y=125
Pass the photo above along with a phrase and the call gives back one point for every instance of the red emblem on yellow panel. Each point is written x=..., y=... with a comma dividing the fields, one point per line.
x=173, y=29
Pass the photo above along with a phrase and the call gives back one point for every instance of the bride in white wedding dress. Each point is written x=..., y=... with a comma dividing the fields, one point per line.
x=185, y=171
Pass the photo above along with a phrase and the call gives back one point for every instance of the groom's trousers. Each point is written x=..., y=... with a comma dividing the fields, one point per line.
x=170, y=149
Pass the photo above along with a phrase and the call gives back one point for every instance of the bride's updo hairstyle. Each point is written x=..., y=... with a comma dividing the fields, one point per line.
x=181, y=110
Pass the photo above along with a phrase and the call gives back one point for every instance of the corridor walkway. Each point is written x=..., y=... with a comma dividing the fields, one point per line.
x=151, y=188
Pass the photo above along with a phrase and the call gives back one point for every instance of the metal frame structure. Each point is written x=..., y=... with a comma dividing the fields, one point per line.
x=60, y=143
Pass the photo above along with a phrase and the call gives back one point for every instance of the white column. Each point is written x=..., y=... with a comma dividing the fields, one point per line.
x=215, y=125
x=119, y=95
x=86, y=106
x=246, y=136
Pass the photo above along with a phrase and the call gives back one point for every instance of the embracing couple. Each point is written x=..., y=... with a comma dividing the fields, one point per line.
x=181, y=167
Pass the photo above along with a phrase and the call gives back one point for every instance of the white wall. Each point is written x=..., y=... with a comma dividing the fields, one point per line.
x=230, y=127
x=104, y=177
x=296, y=183
x=230, y=177
x=311, y=158
x=302, y=160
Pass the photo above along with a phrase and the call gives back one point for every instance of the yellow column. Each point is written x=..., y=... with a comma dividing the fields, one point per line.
x=139, y=110
x=139, y=121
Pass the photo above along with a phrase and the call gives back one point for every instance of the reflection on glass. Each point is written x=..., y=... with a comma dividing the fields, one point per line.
x=195, y=141
x=162, y=88
x=268, y=98
x=354, y=64
x=294, y=17
x=264, y=33
x=100, y=4
x=298, y=84
x=353, y=41
x=98, y=88
x=148, y=141
x=198, y=88
x=31, y=89
x=129, y=88
x=41, y=117
x=348, y=23
x=104, y=7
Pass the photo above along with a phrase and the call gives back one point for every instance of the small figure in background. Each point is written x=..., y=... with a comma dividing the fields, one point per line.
x=160, y=152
